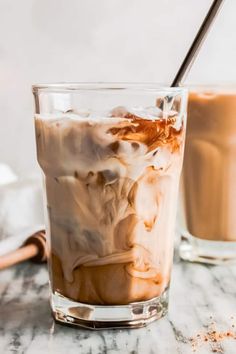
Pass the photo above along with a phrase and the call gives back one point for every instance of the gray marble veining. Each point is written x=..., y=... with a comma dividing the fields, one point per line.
x=197, y=292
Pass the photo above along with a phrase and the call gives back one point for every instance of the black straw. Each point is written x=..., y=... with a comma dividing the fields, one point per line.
x=198, y=40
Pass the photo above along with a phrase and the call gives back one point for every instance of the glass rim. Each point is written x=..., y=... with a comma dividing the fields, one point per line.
x=107, y=86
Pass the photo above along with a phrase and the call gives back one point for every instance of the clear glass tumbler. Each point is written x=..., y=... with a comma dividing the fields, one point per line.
x=209, y=175
x=111, y=155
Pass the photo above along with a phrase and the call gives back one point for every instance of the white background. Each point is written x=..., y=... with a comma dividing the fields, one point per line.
x=99, y=40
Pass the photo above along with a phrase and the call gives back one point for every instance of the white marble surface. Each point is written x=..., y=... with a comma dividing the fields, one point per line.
x=197, y=292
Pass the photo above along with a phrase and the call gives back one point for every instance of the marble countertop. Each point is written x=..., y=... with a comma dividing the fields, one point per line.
x=197, y=293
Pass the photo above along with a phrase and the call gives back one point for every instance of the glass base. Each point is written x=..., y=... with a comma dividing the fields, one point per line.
x=134, y=315
x=194, y=249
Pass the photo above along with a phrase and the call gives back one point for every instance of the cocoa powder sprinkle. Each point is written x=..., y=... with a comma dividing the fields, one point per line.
x=212, y=337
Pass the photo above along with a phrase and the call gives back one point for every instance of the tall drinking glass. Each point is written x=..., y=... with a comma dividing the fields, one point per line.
x=209, y=176
x=111, y=155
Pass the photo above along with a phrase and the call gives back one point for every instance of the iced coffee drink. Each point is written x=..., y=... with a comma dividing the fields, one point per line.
x=209, y=173
x=111, y=182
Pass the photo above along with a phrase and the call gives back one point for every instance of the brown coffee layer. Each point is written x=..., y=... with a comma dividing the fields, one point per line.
x=105, y=285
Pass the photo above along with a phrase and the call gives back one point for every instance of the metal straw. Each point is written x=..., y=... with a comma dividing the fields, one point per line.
x=198, y=40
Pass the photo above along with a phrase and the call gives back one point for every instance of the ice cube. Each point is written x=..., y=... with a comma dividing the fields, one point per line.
x=119, y=112
x=149, y=113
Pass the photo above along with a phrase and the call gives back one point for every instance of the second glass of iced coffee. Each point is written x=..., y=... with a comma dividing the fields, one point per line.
x=111, y=157
x=209, y=175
